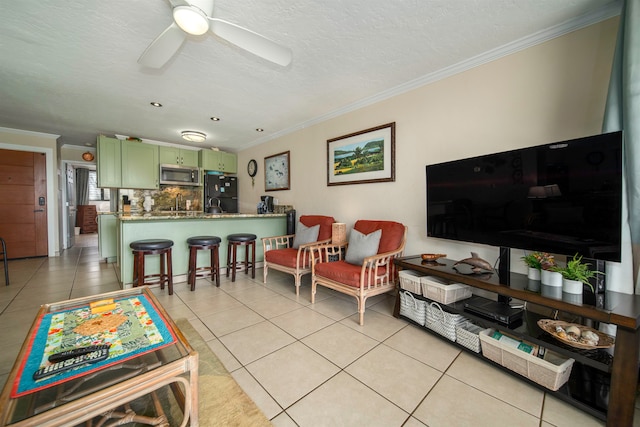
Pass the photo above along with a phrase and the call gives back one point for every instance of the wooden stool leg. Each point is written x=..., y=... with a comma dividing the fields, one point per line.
x=253, y=259
x=134, y=280
x=228, y=258
x=170, y=271
x=163, y=273
x=191, y=275
x=140, y=272
x=246, y=259
x=216, y=262
x=234, y=262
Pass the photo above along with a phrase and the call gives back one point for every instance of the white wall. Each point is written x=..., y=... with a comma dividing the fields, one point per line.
x=549, y=92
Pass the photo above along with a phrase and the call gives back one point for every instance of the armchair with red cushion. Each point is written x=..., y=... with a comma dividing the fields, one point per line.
x=291, y=253
x=366, y=268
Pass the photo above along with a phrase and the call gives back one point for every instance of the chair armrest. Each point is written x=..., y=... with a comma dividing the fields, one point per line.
x=308, y=248
x=276, y=242
x=321, y=253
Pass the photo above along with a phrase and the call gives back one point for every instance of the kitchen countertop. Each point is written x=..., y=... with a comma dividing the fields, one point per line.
x=192, y=215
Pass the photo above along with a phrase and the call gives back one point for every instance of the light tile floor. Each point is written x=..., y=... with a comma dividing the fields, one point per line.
x=303, y=364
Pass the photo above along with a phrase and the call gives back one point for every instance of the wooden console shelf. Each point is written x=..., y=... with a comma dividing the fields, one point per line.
x=622, y=310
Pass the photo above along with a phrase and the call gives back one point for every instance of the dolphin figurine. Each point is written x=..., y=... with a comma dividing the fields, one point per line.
x=477, y=264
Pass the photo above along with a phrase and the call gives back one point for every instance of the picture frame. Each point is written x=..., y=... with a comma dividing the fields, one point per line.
x=277, y=171
x=363, y=157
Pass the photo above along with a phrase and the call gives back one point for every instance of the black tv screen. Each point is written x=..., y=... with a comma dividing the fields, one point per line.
x=564, y=198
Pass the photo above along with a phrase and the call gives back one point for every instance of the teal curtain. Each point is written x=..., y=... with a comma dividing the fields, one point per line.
x=623, y=113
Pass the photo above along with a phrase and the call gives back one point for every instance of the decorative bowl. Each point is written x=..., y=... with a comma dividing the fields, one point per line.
x=548, y=325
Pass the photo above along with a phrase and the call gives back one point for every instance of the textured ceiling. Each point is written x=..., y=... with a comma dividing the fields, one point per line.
x=69, y=67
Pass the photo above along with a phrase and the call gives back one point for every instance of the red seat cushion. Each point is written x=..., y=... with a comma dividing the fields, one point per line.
x=324, y=221
x=285, y=257
x=392, y=233
x=343, y=272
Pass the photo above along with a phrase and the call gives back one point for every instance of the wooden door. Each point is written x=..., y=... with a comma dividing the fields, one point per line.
x=23, y=203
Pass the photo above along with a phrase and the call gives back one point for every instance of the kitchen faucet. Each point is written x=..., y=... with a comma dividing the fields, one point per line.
x=178, y=199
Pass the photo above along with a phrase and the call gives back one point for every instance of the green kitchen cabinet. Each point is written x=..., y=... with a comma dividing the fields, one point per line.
x=218, y=161
x=140, y=167
x=178, y=156
x=108, y=163
x=108, y=237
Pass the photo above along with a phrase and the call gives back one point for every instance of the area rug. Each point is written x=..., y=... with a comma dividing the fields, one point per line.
x=221, y=400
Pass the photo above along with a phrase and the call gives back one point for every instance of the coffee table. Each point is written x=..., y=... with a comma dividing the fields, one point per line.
x=172, y=367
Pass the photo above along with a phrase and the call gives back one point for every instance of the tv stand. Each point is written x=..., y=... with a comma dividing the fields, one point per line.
x=622, y=310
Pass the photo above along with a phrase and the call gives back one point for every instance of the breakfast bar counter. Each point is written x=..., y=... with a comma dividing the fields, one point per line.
x=179, y=226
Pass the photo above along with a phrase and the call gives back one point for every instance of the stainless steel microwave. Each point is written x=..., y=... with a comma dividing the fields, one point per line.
x=179, y=175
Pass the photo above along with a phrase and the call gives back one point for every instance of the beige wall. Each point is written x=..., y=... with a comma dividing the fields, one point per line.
x=549, y=92
x=11, y=139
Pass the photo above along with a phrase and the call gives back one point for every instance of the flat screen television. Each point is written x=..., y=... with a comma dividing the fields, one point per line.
x=564, y=198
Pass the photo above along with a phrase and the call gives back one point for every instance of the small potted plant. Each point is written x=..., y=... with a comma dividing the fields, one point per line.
x=537, y=261
x=575, y=274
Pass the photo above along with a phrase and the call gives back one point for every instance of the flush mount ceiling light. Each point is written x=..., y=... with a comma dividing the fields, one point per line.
x=259, y=130
x=215, y=119
x=193, y=136
x=191, y=19
x=156, y=104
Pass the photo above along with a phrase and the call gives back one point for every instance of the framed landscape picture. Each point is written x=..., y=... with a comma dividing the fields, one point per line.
x=362, y=157
x=276, y=172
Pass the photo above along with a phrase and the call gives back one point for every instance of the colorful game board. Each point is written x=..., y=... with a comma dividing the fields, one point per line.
x=133, y=327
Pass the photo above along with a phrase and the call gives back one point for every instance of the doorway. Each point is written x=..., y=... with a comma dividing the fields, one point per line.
x=23, y=203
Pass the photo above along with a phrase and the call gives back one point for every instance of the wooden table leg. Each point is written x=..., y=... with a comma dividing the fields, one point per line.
x=624, y=378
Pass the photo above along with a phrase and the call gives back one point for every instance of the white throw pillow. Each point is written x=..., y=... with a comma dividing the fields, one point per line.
x=362, y=246
x=305, y=234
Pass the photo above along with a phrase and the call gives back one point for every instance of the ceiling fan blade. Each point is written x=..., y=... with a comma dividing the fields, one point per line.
x=176, y=3
x=251, y=41
x=163, y=47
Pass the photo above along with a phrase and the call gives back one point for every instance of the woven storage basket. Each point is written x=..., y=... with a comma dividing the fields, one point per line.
x=410, y=281
x=412, y=308
x=467, y=335
x=551, y=372
x=442, y=322
x=443, y=292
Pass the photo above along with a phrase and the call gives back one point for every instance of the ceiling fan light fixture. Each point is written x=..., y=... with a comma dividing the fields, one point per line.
x=191, y=20
x=193, y=136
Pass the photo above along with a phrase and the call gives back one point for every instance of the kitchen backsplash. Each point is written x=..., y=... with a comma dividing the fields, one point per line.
x=164, y=199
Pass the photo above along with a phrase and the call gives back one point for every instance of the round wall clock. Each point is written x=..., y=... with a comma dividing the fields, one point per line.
x=252, y=169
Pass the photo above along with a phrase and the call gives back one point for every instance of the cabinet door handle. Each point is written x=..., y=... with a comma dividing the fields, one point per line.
x=39, y=210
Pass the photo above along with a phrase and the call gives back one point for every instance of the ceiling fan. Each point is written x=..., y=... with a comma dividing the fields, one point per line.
x=194, y=17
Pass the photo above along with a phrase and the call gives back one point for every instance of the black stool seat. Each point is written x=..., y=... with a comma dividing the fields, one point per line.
x=247, y=240
x=213, y=270
x=151, y=244
x=204, y=240
x=241, y=237
x=162, y=247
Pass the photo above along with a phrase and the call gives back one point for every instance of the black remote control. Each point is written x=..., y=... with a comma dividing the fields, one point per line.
x=64, y=365
x=64, y=355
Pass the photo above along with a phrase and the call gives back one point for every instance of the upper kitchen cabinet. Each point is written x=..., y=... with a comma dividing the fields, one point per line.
x=218, y=161
x=177, y=156
x=108, y=162
x=139, y=165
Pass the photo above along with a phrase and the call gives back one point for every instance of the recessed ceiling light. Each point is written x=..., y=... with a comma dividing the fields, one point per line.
x=259, y=130
x=215, y=119
x=193, y=136
x=156, y=104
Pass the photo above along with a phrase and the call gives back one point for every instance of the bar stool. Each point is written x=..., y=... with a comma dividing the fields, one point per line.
x=4, y=260
x=211, y=243
x=161, y=247
x=241, y=239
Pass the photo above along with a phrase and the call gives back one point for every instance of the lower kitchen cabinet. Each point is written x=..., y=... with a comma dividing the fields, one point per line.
x=108, y=236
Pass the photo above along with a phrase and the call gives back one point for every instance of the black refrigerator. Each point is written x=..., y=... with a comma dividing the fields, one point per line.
x=221, y=190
